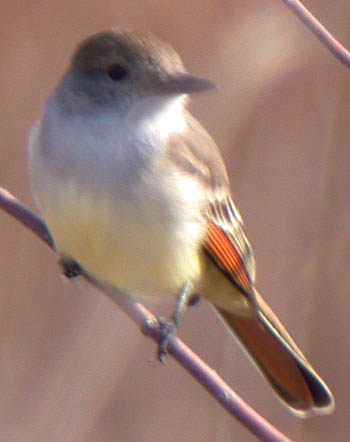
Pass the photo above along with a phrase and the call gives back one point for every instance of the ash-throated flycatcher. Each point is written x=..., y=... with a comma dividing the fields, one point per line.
x=135, y=191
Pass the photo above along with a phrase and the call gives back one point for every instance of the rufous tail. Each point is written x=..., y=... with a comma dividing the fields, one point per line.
x=279, y=359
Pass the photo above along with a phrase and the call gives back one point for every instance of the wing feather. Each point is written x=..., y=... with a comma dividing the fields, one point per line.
x=227, y=244
x=195, y=153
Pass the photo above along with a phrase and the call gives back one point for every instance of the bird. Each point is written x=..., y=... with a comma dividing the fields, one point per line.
x=134, y=191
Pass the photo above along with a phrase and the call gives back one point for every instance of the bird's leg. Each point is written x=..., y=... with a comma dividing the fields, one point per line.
x=168, y=326
x=70, y=268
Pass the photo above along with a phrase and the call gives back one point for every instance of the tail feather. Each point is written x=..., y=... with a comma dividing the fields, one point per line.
x=279, y=359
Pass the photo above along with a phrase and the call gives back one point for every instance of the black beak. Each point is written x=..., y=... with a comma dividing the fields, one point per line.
x=184, y=83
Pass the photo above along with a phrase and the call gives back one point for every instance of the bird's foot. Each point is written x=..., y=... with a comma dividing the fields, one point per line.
x=70, y=268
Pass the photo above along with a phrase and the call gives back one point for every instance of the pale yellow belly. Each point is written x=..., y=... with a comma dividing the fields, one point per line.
x=138, y=251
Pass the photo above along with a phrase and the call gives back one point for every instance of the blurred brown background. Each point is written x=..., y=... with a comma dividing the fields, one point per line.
x=74, y=368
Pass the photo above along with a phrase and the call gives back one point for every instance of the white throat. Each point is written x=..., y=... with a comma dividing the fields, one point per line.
x=162, y=117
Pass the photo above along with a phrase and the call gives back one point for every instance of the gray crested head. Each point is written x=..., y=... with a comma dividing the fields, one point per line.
x=119, y=67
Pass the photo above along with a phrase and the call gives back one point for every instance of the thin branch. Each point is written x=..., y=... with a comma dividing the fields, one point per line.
x=12, y=206
x=319, y=30
x=205, y=375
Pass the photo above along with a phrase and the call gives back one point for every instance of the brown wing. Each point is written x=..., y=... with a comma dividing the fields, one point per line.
x=195, y=153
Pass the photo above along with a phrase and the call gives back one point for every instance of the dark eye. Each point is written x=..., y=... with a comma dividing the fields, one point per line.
x=116, y=72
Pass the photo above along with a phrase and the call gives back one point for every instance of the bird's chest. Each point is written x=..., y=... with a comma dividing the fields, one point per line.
x=128, y=217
